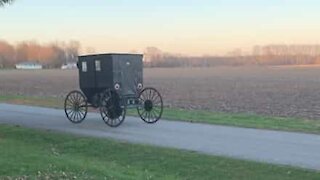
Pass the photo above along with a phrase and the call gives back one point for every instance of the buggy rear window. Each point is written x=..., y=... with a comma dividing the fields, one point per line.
x=98, y=65
x=84, y=66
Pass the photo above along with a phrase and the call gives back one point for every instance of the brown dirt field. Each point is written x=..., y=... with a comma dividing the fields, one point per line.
x=278, y=91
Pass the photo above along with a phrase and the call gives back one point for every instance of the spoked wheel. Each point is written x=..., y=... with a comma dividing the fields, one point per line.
x=75, y=107
x=151, y=105
x=112, y=108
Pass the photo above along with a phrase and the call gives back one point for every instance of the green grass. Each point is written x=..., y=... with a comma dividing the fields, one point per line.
x=31, y=154
x=197, y=116
x=244, y=120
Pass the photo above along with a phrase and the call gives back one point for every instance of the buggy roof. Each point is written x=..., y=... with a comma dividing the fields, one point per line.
x=112, y=54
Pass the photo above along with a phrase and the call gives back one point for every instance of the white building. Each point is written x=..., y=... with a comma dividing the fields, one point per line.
x=69, y=66
x=28, y=65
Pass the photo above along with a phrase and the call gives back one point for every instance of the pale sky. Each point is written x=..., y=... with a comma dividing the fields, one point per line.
x=193, y=27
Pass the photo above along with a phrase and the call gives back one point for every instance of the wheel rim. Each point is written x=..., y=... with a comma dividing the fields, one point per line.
x=75, y=107
x=151, y=107
x=111, y=110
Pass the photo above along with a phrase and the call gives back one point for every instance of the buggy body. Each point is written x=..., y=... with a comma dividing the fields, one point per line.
x=113, y=82
x=121, y=72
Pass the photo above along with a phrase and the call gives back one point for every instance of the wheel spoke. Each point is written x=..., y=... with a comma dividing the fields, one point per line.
x=79, y=98
x=117, y=121
x=143, y=95
x=83, y=113
x=157, y=100
x=72, y=97
x=72, y=115
x=75, y=97
x=104, y=115
x=77, y=115
x=109, y=121
x=69, y=112
x=144, y=112
x=69, y=108
x=149, y=94
x=154, y=97
x=140, y=108
x=152, y=115
x=155, y=115
x=148, y=116
x=158, y=106
x=69, y=102
x=141, y=101
x=157, y=110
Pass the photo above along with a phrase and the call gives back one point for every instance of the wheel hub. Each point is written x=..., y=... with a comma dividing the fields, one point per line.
x=148, y=105
x=113, y=112
x=76, y=107
x=113, y=108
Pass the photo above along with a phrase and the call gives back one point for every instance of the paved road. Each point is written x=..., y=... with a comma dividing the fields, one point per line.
x=301, y=150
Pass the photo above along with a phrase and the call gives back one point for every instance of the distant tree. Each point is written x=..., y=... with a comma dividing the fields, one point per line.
x=6, y=54
x=72, y=51
x=3, y=2
x=152, y=54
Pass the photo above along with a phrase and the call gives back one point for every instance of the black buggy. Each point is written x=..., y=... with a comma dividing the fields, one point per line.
x=113, y=83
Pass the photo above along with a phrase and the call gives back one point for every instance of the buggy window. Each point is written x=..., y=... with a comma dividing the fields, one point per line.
x=84, y=66
x=98, y=65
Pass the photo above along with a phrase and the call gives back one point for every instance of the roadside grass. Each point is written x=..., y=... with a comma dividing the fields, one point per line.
x=245, y=120
x=35, y=154
x=197, y=116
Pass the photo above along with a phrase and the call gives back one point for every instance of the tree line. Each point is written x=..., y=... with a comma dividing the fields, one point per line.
x=261, y=55
x=51, y=55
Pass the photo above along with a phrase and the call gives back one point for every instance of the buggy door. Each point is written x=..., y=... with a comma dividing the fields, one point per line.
x=87, y=73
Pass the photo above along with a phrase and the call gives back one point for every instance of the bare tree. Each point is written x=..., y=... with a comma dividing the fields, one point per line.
x=3, y=2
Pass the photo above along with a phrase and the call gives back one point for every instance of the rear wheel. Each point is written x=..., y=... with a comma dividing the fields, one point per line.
x=112, y=108
x=75, y=107
x=151, y=105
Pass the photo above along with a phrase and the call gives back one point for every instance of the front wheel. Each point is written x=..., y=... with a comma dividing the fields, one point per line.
x=75, y=107
x=112, y=108
x=151, y=105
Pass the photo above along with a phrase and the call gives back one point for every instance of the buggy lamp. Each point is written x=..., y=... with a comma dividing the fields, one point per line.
x=140, y=86
x=117, y=86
